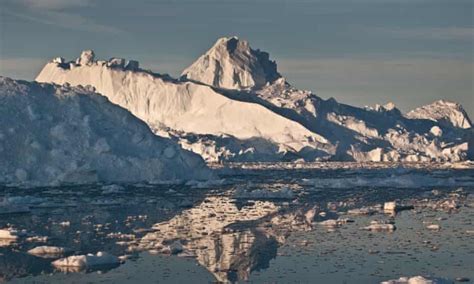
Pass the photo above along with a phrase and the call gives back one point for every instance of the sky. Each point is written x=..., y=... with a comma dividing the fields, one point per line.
x=360, y=52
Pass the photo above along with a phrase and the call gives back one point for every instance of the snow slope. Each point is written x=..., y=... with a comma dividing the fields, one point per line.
x=59, y=134
x=232, y=104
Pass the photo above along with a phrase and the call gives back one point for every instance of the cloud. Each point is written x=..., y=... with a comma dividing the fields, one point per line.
x=432, y=33
x=58, y=13
x=66, y=20
x=54, y=4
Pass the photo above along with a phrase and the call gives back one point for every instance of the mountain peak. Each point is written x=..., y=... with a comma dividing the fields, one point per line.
x=232, y=64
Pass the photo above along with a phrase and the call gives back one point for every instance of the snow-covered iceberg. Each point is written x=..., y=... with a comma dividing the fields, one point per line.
x=60, y=134
x=232, y=64
x=188, y=107
x=232, y=104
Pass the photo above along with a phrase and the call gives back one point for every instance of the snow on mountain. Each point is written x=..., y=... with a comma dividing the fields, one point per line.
x=232, y=104
x=446, y=112
x=60, y=134
x=232, y=64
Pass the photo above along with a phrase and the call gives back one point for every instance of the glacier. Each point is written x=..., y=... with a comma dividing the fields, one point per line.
x=232, y=104
x=57, y=135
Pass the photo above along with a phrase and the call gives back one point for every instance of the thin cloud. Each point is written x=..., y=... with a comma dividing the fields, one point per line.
x=54, y=4
x=446, y=33
x=58, y=13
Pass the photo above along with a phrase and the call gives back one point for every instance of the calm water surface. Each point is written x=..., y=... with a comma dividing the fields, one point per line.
x=262, y=226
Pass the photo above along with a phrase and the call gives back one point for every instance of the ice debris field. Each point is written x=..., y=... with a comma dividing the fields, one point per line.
x=354, y=225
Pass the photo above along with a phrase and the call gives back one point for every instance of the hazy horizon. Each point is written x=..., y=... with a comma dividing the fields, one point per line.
x=359, y=52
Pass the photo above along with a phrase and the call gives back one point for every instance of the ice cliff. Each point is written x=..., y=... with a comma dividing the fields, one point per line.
x=53, y=135
x=233, y=105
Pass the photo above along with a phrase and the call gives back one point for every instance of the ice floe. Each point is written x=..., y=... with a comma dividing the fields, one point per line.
x=87, y=261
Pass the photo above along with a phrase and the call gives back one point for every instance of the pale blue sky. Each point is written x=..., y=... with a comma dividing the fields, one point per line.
x=361, y=52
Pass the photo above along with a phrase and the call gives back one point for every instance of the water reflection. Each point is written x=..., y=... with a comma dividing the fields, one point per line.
x=231, y=237
x=229, y=240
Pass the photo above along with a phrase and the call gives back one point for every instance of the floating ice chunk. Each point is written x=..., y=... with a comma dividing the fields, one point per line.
x=433, y=227
x=390, y=206
x=48, y=251
x=393, y=207
x=65, y=224
x=310, y=214
x=436, y=131
x=379, y=226
x=332, y=223
x=417, y=280
x=37, y=239
x=121, y=236
x=89, y=260
x=9, y=234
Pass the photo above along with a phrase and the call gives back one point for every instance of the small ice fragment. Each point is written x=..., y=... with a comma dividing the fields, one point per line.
x=434, y=227
x=37, y=239
x=89, y=260
x=330, y=223
x=379, y=226
x=48, y=251
x=9, y=234
x=65, y=224
x=390, y=206
x=416, y=280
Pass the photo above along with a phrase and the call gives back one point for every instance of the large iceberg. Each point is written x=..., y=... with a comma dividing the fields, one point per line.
x=232, y=104
x=54, y=134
